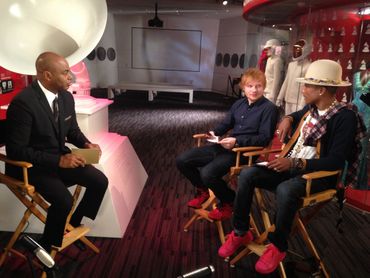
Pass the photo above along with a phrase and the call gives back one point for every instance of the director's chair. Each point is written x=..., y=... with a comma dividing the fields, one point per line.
x=210, y=204
x=316, y=201
x=37, y=206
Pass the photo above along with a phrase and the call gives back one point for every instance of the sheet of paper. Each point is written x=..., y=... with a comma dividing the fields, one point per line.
x=213, y=139
x=91, y=155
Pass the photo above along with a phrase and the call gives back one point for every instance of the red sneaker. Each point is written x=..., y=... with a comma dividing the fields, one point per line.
x=269, y=260
x=233, y=242
x=224, y=211
x=201, y=197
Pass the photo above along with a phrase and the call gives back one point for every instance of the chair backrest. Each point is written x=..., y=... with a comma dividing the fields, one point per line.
x=294, y=138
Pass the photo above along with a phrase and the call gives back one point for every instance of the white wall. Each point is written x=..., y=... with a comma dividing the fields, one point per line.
x=236, y=35
x=232, y=35
x=104, y=73
x=231, y=39
x=201, y=80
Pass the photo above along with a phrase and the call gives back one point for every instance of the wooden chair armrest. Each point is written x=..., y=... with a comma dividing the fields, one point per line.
x=317, y=175
x=199, y=135
x=247, y=149
x=261, y=152
x=235, y=170
x=238, y=151
x=22, y=164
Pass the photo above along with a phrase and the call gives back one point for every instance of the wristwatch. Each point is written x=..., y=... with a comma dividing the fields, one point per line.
x=300, y=164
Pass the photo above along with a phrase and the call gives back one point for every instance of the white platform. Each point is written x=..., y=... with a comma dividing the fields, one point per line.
x=92, y=114
x=120, y=164
x=152, y=88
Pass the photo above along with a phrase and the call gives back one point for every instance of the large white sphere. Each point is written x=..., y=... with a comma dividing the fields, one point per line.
x=71, y=28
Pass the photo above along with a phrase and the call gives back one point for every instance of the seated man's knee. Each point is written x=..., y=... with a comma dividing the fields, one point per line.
x=103, y=181
x=207, y=176
x=100, y=180
x=247, y=178
x=286, y=192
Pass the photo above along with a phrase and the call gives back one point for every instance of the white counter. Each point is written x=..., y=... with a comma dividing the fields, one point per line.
x=120, y=164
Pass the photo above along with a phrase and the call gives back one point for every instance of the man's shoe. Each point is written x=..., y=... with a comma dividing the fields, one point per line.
x=269, y=260
x=201, y=197
x=222, y=212
x=233, y=242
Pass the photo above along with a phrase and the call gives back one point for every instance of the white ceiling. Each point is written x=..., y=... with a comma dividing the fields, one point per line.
x=198, y=8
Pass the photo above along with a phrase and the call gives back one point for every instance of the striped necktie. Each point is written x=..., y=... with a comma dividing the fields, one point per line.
x=56, y=109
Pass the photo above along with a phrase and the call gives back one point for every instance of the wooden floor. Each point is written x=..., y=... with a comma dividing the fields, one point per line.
x=155, y=244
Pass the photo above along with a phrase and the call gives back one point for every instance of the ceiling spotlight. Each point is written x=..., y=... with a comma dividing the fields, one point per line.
x=225, y=2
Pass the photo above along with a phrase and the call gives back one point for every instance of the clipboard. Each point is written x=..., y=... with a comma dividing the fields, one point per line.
x=91, y=155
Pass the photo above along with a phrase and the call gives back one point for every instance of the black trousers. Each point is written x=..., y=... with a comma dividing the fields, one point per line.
x=205, y=166
x=288, y=186
x=53, y=187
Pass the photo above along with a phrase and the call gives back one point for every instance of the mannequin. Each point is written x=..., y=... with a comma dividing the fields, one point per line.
x=274, y=70
x=290, y=98
x=361, y=91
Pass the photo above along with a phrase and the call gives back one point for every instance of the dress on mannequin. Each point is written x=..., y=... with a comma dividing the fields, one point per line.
x=361, y=86
x=274, y=70
x=290, y=97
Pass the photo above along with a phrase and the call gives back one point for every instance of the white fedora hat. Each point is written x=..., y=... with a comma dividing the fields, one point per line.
x=271, y=43
x=324, y=73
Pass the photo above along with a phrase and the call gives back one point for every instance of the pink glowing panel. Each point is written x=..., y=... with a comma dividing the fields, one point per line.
x=81, y=84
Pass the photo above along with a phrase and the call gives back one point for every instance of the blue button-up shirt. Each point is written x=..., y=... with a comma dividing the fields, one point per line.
x=252, y=124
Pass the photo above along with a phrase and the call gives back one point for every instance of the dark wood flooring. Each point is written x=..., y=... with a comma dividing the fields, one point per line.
x=155, y=244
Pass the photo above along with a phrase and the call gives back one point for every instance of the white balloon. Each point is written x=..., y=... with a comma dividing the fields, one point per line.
x=71, y=28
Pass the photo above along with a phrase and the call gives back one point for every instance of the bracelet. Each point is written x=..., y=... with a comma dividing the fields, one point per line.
x=304, y=163
x=290, y=118
x=299, y=163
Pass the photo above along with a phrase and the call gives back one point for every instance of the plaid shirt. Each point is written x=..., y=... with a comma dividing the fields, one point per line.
x=319, y=129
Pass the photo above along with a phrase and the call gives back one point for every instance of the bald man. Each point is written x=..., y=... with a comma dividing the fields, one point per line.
x=40, y=120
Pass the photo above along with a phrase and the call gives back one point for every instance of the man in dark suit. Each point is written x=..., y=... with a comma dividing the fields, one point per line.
x=40, y=120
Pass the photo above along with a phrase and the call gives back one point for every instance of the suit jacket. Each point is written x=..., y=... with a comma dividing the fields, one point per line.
x=33, y=135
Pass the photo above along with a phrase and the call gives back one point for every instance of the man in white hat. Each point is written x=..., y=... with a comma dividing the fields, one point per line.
x=336, y=126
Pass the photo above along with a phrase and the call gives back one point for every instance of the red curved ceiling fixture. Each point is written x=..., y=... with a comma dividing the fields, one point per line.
x=268, y=12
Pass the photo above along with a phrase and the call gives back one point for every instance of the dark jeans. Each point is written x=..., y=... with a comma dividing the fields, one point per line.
x=53, y=187
x=205, y=167
x=288, y=186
